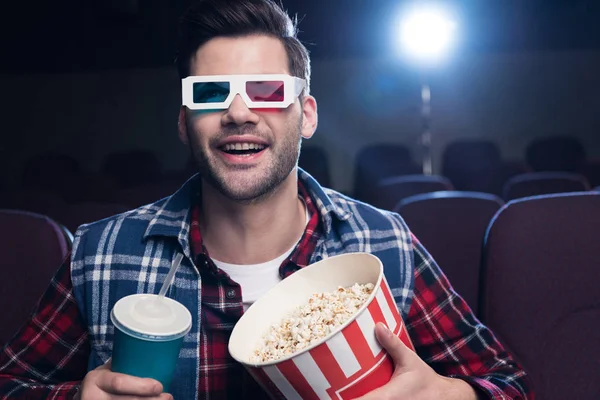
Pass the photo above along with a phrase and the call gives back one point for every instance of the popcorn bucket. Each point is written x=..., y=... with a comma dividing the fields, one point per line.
x=346, y=364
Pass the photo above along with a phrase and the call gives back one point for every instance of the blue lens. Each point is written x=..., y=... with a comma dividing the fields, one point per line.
x=210, y=92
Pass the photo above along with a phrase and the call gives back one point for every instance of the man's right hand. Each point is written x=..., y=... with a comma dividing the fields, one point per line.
x=103, y=384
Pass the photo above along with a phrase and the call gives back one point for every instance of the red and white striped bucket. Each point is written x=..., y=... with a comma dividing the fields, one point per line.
x=346, y=364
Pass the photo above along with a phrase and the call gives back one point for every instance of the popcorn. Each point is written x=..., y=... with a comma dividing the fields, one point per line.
x=311, y=322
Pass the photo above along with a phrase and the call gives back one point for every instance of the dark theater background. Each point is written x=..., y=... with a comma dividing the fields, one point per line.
x=90, y=98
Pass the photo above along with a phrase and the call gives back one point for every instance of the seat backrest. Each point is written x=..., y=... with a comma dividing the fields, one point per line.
x=591, y=171
x=33, y=247
x=540, y=296
x=538, y=183
x=473, y=165
x=315, y=161
x=471, y=152
x=558, y=153
x=451, y=225
x=390, y=191
x=379, y=161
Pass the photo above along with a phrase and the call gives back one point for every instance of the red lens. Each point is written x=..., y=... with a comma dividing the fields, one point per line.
x=265, y=90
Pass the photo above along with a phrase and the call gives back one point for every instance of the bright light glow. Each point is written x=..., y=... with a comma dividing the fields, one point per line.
x=427, y=33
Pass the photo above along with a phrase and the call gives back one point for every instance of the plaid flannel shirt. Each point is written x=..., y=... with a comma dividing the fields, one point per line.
x=70, y=332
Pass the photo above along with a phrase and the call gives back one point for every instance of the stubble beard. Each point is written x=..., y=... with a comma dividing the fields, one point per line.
x=285, y=159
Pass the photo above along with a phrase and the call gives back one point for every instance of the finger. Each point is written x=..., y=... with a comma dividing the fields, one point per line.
x=106, y=365
x=163, y=396
x=116, y=383
x=393, y=345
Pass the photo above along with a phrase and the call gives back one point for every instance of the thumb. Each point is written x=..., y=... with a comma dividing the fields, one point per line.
x=401, y=354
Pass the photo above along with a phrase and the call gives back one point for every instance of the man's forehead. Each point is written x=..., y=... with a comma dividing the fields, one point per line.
x=254, y=54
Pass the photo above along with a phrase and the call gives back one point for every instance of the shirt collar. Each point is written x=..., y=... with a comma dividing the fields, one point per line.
x=173, y=214
x=326, y=207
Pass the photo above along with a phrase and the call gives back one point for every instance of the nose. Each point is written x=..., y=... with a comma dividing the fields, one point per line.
x=238, y=113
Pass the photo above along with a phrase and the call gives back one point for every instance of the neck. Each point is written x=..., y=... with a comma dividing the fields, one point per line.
x=252, y=233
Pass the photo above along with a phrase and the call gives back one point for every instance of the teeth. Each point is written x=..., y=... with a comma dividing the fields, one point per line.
x=243, y=146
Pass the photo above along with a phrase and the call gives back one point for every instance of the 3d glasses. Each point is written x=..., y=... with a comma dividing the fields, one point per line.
x=216, y=92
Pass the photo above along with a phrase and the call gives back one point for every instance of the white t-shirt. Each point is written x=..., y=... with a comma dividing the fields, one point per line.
x=257, y=279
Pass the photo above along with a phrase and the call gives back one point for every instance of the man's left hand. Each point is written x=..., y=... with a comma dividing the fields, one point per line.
x=413, y=379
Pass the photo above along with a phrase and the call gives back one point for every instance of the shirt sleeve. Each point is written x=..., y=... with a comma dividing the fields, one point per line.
x=449, y=338
x=47, y=358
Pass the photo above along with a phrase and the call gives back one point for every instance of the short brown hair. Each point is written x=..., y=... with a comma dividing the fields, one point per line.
x=207, y=19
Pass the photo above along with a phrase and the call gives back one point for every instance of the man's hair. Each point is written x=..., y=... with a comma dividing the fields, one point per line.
x=207, y=19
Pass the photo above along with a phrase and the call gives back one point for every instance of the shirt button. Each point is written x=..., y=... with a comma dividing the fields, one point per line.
x=230, y=293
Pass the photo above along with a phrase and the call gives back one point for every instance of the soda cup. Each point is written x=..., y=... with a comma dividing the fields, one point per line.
x=149, y=332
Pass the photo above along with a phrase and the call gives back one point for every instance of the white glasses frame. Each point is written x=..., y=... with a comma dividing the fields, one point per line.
x=293, y=86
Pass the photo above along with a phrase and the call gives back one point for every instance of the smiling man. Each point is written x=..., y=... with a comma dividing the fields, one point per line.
x=247, y=153
x=248, y=219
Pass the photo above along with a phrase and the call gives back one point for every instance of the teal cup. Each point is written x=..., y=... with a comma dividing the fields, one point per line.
x=149, y=332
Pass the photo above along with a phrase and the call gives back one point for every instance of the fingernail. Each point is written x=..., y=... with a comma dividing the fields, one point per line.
x=387, y=331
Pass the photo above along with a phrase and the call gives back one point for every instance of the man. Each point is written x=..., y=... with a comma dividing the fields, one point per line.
x=245, y=222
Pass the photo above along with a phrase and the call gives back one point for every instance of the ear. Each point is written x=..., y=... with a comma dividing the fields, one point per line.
x=310, y=120
x=182, y=126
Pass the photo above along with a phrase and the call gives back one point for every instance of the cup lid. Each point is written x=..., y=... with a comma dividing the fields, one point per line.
x=151, y=316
